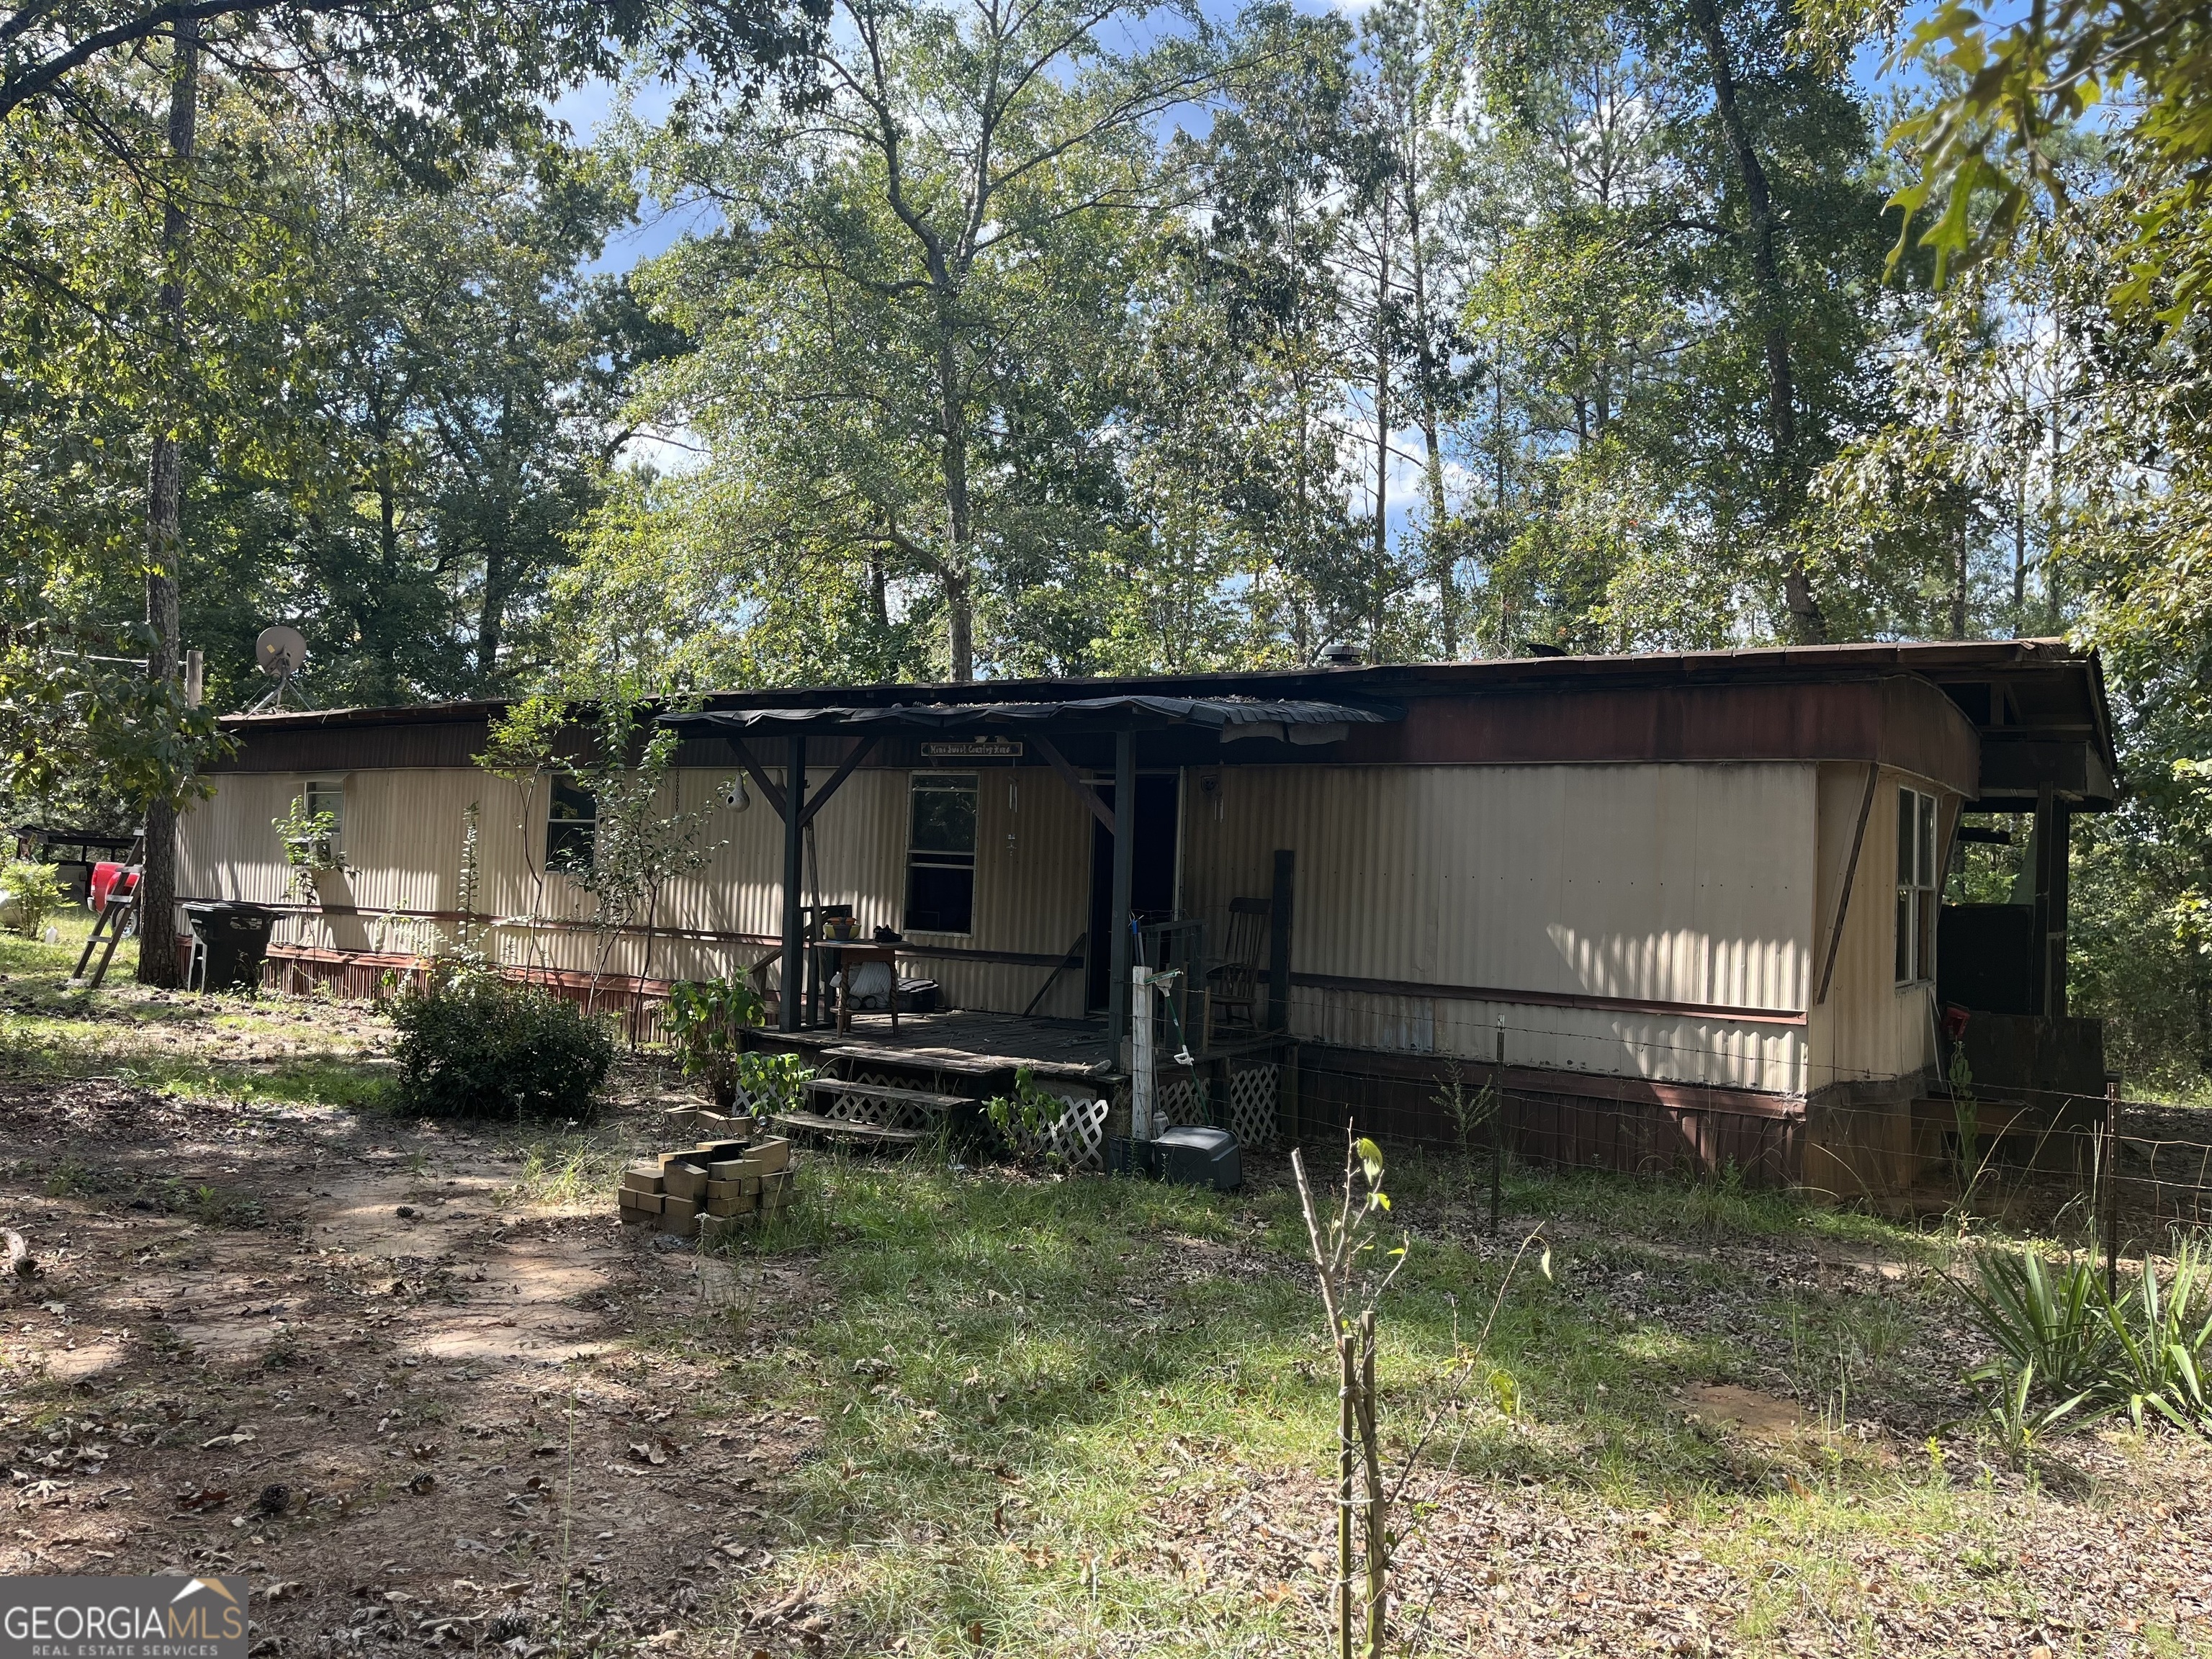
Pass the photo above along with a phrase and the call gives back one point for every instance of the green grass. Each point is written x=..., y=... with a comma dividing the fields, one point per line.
x=564, y=1168
x=1013, y=1374
x=1017, y=1383
x=185, y=1045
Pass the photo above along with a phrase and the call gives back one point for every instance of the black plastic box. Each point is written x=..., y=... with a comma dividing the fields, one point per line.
x=1186, y=1158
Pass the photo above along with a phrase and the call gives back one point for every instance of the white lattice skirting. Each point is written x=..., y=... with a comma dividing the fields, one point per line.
x=855, y=1102
x=1180, y=1101
x=1077, y=1138
x=1252, y=1096
x=1181, y=1104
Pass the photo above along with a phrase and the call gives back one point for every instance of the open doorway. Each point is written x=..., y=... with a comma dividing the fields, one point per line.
x=1152, y=873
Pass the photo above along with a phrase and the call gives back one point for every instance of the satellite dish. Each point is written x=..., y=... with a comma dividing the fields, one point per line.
x=282, y=651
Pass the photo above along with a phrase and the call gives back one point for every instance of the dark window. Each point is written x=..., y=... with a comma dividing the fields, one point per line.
x=940, y=859
x=1915, y=887
x=571, y=821
x=328, y=797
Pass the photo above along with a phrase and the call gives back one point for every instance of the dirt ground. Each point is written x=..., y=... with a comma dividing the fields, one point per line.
x=420, y=1387
x=327, y=1351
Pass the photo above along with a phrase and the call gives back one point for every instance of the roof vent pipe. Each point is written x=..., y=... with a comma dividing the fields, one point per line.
x=1342, y=654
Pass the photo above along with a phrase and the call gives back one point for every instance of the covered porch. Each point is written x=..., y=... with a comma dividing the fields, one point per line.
x=1215, y=996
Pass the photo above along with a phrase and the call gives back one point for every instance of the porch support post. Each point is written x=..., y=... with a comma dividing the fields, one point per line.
x=791, y=974
x=1125, y=839
x=1279, y=943
x=2051, y=851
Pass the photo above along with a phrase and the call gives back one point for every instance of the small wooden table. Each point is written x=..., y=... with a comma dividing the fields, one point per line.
x=849, y=955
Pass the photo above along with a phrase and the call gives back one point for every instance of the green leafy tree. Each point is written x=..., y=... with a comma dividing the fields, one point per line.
x=1700, y=202
x=906, y=327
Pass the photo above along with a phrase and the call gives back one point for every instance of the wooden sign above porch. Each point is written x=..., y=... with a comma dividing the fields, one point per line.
x=978, y=748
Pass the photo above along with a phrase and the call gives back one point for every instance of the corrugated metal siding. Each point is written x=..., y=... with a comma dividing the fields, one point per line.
x=1869, y=1028
x=227, y=846
x=1687, y=884
x=404, y=832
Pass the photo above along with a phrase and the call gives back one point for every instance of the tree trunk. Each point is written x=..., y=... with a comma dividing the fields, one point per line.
x=1440, y=543
x=1789, y=483
x=491, y=620
x=2051, y=526
x=157, y=886
x=959, y=597
x=1959, y=571
x=1378, y=597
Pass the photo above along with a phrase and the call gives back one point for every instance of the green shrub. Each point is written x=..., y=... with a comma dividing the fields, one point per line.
x=1021, y=1121
x=2066, y=1344
x=2162, y=1342
x=2050, y=1315
x=475, y=1045
x=767, y=1083
x=705, y=1023
x=29, y=893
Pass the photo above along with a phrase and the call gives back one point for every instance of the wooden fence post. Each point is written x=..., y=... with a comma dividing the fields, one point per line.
x=2111, y=1189
x=1498, y=1128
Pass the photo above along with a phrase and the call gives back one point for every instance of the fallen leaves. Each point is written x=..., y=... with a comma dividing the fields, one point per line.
x=655, y=1451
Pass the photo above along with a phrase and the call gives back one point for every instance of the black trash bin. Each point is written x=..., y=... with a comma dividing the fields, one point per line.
x=231, y=937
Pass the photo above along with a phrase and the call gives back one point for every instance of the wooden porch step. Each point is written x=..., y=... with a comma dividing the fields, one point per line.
x=948, y=1060
x=922, y=1098
x=813, y=1123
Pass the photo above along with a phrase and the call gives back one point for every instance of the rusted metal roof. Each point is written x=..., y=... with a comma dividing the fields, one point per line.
x=2038, y=707
x=1127, y=712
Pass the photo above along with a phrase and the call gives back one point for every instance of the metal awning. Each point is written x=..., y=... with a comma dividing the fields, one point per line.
x=1233, y=718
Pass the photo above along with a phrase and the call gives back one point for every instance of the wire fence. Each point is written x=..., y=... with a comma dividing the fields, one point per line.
x=1657, y=1093
x=2053, y=1159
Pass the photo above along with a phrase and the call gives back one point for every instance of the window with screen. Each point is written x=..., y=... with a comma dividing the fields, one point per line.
x=572, y=819
x=940, y=859
x=1916, y=883
x=327, y=796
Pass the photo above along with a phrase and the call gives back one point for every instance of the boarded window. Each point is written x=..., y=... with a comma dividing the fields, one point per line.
x=571, y=822
x=940, y=859
x=1915, y=887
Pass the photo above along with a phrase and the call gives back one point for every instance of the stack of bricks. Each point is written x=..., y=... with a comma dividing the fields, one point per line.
x=714, y=1183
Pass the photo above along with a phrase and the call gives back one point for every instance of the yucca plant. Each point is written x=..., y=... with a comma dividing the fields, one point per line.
x=2159, y=1336
x=2049, y=1317
x=2020, y=1423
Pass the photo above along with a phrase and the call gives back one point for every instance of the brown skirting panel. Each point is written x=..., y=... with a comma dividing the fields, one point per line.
x=1573, y=1120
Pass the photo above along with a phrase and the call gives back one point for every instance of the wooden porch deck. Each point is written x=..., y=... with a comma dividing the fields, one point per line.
x=961, y=1042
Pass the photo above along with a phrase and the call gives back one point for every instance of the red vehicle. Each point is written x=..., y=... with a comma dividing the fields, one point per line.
x=104, y=876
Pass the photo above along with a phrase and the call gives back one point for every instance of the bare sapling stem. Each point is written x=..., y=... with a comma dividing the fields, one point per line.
x=1337, y=1246
x=1378, y=1509
x=1347, y=1412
